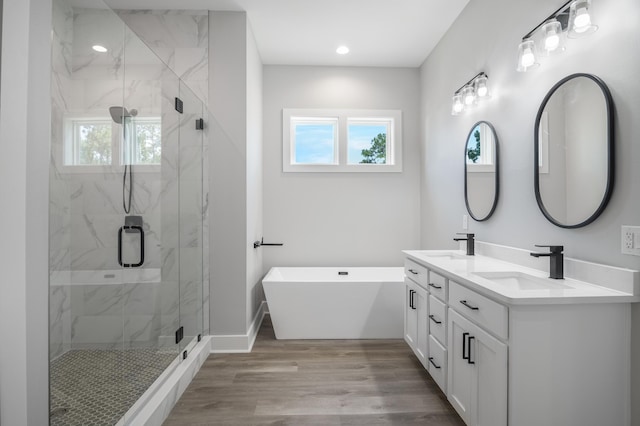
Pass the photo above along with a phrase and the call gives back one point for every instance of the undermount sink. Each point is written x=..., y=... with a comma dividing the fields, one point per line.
x=450, y=256
x=522, y=281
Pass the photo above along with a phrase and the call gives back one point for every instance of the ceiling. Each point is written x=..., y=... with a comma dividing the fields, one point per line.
x=385, y=33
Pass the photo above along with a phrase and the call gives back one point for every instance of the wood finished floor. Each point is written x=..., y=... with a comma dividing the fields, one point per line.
x=314, y=382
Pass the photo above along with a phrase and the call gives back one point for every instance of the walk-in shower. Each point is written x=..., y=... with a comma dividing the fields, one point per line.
x=126, y=270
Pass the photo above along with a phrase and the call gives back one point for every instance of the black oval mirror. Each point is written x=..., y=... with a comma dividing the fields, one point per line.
x=573, y=151
x=481, y=171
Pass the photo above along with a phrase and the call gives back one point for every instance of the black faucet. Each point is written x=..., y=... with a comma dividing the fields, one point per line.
x=470, y=242
x=556, y=259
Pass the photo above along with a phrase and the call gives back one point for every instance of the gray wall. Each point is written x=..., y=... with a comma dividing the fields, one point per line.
x=227, y=166
x=340, y=219
x=485, y=38
x=254, y=176
x=235, y=83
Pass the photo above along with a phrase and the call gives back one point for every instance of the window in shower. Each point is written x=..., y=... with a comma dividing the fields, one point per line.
x=148, y=141
x=92, y=142
x=89, y=143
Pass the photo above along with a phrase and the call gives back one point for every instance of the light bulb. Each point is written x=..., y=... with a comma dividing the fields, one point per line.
x=469, y=96
x=582, y=21
x=457, y=104
x=342, y=50
x=98, y=48
x=528, y=58
x=551, y=42
x=526, y=55
x=480, y=84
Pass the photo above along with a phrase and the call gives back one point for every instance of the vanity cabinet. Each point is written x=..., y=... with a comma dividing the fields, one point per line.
x=477, y=386
x=415, y=319
x=520, y=358
x=426, y=319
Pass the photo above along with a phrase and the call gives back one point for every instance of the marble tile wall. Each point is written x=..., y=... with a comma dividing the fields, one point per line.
x=179, y=38
x=86, y=208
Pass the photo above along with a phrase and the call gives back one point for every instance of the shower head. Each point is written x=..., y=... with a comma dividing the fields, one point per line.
x=119, y=113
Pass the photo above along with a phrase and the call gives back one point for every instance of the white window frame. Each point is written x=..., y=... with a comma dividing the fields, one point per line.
x=311, y=121
x=68, y=147
x=345, y=117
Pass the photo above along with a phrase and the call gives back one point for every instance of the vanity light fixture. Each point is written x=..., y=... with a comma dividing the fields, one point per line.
x=472, y=92
x=572, y=20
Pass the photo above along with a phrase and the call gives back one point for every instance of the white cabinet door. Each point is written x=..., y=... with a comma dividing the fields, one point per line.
x=460, y=371
x=416, y=317
x=410, y=315
x=477, y=384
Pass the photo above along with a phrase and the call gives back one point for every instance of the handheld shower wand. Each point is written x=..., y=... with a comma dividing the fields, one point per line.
x=120, y=115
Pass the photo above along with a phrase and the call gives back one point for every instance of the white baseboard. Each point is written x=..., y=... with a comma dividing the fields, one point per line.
x=239, y=343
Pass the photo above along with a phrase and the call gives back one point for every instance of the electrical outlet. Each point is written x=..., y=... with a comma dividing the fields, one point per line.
x=630, y=239
x=465, y=222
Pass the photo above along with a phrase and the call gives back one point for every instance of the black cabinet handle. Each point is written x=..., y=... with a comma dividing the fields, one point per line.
x=413, y=272
x=437, y=287
x=433, y=363
x=434, y=319
x=131, y=265
x=411, y=293
x=464, y=346
x=473, y=308
x=469, y=357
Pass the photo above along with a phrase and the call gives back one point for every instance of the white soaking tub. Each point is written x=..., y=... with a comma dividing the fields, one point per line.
x=336, y=303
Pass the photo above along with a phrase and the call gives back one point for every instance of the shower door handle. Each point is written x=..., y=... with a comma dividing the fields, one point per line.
x=134, y=228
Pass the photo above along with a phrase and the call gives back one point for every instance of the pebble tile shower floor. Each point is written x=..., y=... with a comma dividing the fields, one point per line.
x=97, y=387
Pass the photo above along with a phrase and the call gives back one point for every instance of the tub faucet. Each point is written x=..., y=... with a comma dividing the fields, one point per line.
x=556, y=261
x=470, y=242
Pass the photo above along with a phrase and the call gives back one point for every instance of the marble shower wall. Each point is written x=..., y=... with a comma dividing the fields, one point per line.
x=180, y=39
x=91, y=297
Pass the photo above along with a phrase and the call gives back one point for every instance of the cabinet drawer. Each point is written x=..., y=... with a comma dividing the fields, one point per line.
x=437, y=285
x=437, y=363
x=438, y=320
x=488, y=314
x=416, y=272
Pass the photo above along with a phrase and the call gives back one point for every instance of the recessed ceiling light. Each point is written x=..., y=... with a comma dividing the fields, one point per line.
x=342, y=50
x=98, y=48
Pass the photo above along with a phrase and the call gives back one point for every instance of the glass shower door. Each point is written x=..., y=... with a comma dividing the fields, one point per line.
x=191, y=214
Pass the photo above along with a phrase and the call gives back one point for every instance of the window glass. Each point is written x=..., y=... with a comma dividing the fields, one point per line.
x=367, y=142
x=91, y=143
x=314, y=141
x=148, y=141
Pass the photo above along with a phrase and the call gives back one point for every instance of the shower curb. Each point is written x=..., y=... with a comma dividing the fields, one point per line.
x=162, y=400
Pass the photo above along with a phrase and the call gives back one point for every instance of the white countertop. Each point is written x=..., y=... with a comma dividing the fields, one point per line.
x=463, y=269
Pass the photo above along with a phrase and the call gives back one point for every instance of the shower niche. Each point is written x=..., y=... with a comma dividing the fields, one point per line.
x=126, y=218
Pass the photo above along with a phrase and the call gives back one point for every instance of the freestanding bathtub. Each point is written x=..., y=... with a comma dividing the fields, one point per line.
x=336, y=303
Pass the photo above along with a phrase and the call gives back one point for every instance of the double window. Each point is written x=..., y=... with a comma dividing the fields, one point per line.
x=94, y=142
x=342, y=140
